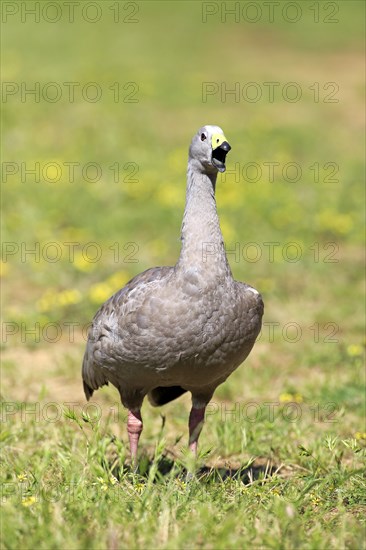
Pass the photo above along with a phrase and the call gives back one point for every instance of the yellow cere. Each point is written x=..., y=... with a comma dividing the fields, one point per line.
x=217, y=140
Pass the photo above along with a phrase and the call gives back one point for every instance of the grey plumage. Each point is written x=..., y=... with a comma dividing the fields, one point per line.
x=181, y=328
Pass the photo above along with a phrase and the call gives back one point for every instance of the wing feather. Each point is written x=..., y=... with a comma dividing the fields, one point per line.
x=126, y=300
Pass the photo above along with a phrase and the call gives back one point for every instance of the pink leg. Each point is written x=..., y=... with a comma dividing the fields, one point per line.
x=196, y=420
x=134, y=429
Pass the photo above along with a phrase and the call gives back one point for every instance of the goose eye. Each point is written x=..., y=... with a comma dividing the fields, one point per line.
x=203, y=137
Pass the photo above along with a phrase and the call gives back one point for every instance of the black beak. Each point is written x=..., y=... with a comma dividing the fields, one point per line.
x=219, y=156
x=225, y=146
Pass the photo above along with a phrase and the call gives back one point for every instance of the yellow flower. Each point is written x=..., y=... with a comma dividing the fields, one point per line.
x=181, y=484
x=139, y=487
x=100, y=292
x=360, y=435
x=111, y=481
x=354, y=350
x=71, y=233
x=51, y=299
x=4, y=269
x=47, y=301
x=28, y=501
x=335, y=222
x=118, y=280
x=82, y=263
x=69, y=297
x=22, y=477
x=314, y=499
x=53, y=171
x=291, y=398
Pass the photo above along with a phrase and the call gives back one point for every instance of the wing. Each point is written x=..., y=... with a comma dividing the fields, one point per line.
x=251, y=310
x=105, y=325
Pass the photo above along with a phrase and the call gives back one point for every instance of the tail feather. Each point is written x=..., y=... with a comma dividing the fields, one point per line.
x=87, y=390
x=161, y=395
x=93, y=377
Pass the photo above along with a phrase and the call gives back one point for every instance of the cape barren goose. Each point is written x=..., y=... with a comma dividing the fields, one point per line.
x=182, y=328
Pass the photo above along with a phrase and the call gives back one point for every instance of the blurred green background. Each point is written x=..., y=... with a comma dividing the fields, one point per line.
x=151, y=67
x=161, y=72
x=163, y=59
x=151, y=64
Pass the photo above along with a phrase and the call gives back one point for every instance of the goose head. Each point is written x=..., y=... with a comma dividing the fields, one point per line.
x=208, y=149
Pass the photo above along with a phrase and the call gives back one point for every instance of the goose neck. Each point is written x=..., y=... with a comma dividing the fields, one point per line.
x=202, y=241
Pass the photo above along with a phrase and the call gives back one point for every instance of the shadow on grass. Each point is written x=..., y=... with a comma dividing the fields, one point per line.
x=164, y=467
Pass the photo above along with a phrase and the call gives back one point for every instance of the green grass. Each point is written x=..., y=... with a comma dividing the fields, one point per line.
x=282, y=451
x=66, y=484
